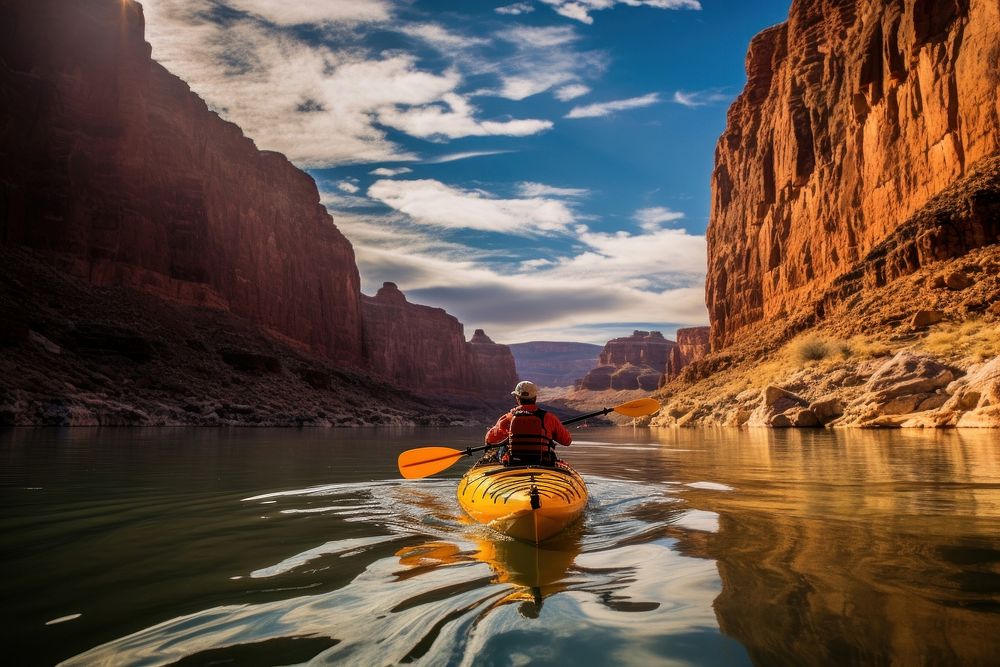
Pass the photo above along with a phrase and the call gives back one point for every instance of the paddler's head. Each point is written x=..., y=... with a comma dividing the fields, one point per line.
x=525, y=392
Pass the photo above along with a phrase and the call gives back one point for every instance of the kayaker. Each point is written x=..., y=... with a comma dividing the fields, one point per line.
x=530, y=433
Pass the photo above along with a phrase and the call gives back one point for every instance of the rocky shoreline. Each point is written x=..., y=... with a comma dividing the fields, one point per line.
x=76, y=354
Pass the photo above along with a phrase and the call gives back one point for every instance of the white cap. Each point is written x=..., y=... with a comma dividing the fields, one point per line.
x=525, y=390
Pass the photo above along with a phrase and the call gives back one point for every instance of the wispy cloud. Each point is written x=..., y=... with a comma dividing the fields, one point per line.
x=579, y=10
x=653, y=217
x=431, y=202
x=700, y=98
x=465, y=155
x=348, y=187
x=516, y=9
x=281, y=12
x=457, y=120
x=618, y=277
x=529, y=189
x=389, y=172
x=544, y=58
x=571, y=91
x=327, y=105
x=608, y=108
x=441, y=38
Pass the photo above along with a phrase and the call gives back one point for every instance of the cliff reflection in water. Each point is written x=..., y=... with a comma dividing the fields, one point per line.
x=882, y=549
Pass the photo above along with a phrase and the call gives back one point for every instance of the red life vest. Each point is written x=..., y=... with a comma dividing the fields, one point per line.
x=528, y=438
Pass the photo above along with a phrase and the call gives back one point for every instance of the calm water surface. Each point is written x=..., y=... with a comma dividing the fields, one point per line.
x=275, y=547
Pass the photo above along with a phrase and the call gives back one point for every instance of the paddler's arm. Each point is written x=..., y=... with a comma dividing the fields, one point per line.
x=559, y=432
x=500, y=430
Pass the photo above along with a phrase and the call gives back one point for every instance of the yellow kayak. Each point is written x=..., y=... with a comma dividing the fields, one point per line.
x=529, y=503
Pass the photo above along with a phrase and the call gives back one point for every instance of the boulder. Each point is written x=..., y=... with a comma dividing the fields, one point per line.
x=957, y=280
x=909, y=373
x=827, y=409
x=906, y=384
x=775, y=402
x=802, y=418
x=975, y=398
x=924, y=318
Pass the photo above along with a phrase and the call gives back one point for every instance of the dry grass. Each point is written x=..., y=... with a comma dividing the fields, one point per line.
x=813, y=348
x=810, y=348
x=974, y=339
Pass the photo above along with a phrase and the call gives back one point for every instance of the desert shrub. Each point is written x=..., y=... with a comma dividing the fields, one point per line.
x=811, y=348
x=844, y=349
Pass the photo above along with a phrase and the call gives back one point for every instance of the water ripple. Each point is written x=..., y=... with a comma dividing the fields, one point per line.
x=450, y=589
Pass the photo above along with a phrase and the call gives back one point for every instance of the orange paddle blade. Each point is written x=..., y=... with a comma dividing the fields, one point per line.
x=640, y=407
x=425, y=461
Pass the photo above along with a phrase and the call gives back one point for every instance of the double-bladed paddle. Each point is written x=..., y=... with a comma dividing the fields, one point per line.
x=425, y=461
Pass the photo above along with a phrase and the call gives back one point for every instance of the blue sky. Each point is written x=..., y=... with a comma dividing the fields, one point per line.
x=539, y=169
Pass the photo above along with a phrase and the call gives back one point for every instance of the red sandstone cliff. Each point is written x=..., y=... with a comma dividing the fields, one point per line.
x=493, y=368
x=108, y=157
x=630, y=362
x=112, y=164
x=855, y=113
x=424, y=349
x=692, y=345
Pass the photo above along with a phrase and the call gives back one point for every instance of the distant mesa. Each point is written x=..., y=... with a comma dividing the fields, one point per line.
x=644, y=360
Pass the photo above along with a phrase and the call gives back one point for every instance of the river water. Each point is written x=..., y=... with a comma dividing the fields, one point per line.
x=275, y=547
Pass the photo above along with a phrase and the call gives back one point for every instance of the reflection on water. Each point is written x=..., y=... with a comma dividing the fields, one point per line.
x=697, y=547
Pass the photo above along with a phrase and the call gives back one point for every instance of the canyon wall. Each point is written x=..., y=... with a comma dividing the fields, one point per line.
x=424, y=349
x=113, y=168
x=493, y=367
x=109, y=158
x=692, y=345
x=855, y=114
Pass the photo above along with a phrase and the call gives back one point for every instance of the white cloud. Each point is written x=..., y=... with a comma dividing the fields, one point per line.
x=465, y=155
x=321, y=105
x=529, y=189
x=651, y=218
x=282, y=12
x=579, y=10
x=608, y=108
x=571, y=91
x=700, y=98
x=441, y=38
x=535, y=37
x=544, y=58
x=648, y=277
x=434, y=121
x=348, y=187
x=516, y=9
x=389, y=172
x=430, y=202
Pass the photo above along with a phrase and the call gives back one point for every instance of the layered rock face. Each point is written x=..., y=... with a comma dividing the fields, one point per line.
x=554, y=364
x=111, y=159
x=631, y=362
x=855, y=113
x=692, y=345
x=493, y=366
x=424, y=349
